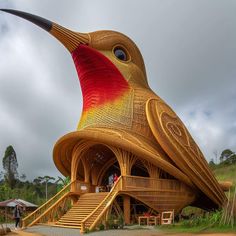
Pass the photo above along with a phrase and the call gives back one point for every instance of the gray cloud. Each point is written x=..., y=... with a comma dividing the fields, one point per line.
x=190, y=55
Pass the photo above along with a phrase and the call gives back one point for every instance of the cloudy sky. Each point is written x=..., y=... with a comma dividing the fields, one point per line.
x=189, y=48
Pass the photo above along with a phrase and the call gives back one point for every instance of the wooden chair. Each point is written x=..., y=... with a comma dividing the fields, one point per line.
x=152, y=220
x=143, y=219
x=167, y=217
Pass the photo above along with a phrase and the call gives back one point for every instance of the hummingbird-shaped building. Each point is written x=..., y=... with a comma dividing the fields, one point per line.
x=125, y=128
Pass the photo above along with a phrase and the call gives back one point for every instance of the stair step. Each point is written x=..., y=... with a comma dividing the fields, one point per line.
x=86, y=204
x=69, y=220
x=82, y=209
x=78, y=213
x=74, y=215
x=69, y=224
x=75, y=218
x=90, y=201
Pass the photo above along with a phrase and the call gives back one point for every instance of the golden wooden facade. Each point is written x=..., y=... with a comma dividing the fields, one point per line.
x=127, y=129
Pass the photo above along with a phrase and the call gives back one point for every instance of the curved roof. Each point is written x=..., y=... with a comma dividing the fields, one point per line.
x=14, y=202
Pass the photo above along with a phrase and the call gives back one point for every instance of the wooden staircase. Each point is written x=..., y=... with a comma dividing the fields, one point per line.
x=48, y=211
x=158, y=194
x=91, y=208
x=96, y=215
x=83, y=208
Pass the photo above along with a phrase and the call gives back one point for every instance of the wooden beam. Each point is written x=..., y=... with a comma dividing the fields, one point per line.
x=126, y=200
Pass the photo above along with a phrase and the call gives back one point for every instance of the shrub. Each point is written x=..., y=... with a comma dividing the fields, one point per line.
x=110, y=221
x=101, y=226
x=204, y=220
x=121, y=221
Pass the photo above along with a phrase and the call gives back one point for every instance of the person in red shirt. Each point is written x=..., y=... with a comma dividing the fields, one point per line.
x=115, y=178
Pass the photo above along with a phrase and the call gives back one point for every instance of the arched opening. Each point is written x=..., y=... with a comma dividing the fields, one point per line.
x=139, y=169
x=107, y=178
x=96, y=165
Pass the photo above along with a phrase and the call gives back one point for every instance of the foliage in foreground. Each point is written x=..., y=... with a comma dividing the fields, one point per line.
x=209, y=219
x=197, y=229
x=208, y=222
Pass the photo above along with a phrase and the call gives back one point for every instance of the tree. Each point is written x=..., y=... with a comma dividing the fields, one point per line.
x=212, y=163
x=23, y=177
x=226, y=154
x=62, y=182
x=216, y=156
x=1, y=175
x=45, y=180
x=10, y=166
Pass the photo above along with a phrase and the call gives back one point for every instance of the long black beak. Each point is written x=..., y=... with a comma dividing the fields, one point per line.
x=68, y=38
x=37, y=20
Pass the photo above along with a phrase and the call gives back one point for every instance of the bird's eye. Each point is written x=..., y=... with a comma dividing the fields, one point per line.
x=120, y=54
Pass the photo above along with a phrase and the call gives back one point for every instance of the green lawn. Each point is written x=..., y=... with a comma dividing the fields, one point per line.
x=197, y=229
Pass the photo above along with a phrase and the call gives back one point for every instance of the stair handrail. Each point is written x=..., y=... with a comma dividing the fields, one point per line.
x=49, y=210
x=115, y=187
x=46, y=205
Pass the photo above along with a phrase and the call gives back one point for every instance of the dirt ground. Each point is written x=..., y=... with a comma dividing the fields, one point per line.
x=21, y=233
x=132, y=233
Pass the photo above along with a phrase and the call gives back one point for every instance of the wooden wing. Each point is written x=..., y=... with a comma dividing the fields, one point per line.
x=176, y=141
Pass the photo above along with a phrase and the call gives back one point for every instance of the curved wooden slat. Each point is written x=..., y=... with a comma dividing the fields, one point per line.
x=174, y=138
x=139, y=146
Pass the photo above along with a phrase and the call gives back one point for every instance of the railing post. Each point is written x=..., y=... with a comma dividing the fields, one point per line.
x=82, y=230
x=23, y=224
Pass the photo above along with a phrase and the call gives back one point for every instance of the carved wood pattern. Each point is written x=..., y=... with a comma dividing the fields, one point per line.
x=174, y=138
x=153, y=171
x=125, y=159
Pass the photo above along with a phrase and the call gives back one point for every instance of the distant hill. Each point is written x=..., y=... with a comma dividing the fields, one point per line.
x=225, y=172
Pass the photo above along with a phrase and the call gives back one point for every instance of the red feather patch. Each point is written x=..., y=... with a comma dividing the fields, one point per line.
x=100, y=80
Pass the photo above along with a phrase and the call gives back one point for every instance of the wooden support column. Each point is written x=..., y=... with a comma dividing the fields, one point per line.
x=87, y=169
x=126, y=200
x=74, y=165
x=125, y=159
x=153, y=171
x=77, y=154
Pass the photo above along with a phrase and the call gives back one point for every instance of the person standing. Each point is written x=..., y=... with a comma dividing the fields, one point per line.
x=115, y=178
x=17, y=216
